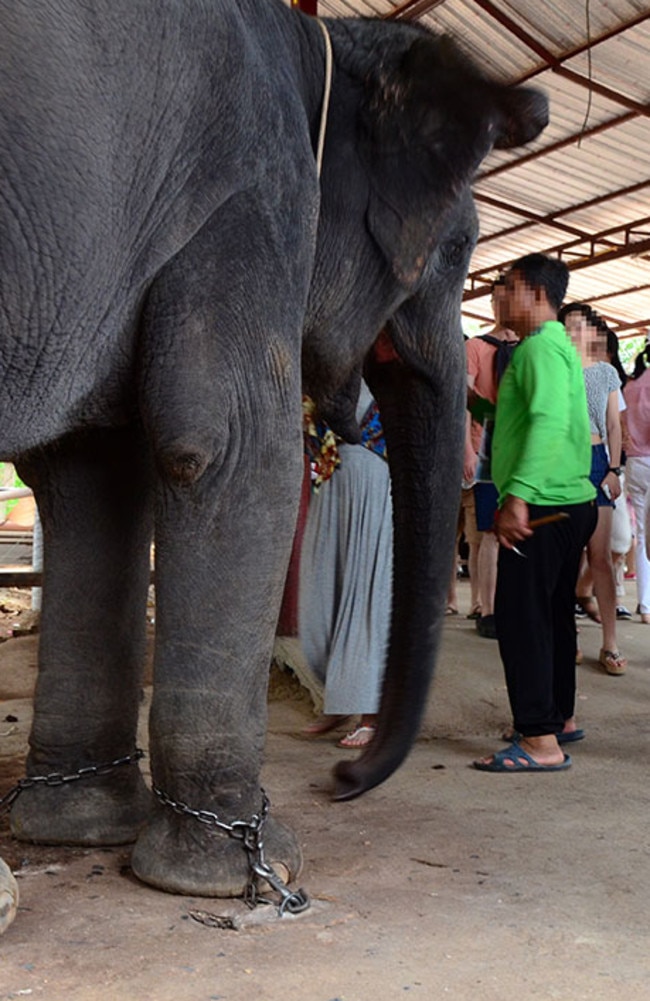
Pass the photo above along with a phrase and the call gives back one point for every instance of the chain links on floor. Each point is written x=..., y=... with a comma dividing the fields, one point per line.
x=249, y=832
x=55, y=779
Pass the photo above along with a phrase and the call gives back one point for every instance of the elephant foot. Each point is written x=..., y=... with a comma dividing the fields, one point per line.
x=97, y=811
x=181, y=855
x=8, y=896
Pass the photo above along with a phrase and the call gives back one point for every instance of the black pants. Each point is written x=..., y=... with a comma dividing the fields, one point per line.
x=534, y=609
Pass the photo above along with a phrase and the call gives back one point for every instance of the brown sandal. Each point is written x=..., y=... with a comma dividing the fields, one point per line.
x=612, y=662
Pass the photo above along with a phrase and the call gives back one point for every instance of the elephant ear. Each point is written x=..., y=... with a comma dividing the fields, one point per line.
x=427, y=123
x=522, y=114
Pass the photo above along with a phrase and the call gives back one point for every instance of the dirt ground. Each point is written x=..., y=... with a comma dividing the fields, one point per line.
x=445, y=882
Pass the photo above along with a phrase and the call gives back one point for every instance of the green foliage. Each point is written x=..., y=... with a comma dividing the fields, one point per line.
x=9, y=478
x=628, y=349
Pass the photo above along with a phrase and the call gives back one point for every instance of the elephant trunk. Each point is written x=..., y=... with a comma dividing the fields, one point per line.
x=423, y=424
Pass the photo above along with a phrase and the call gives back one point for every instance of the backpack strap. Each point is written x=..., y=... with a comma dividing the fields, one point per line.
x=489, y=339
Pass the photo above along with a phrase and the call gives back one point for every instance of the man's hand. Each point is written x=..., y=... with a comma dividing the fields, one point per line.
x=469, y=455
x=511, y=525
x=469, y=466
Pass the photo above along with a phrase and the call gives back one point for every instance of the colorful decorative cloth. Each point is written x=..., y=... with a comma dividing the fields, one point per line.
x=321, y=443
x=372, y=433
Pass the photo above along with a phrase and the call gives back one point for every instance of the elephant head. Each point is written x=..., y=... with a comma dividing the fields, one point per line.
x=400, y=207
x=410, y=122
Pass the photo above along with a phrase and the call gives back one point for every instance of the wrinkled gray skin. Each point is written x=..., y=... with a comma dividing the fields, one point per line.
x=163, y=268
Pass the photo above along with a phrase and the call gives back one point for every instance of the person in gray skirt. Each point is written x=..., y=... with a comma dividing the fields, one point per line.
x=346, y=574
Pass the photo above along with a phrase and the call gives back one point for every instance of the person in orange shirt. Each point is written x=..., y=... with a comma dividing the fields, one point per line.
x=485, y=364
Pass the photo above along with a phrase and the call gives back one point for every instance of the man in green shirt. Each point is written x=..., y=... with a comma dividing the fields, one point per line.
x=541, y=459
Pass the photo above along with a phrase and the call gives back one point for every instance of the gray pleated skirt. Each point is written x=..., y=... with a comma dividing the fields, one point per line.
x=346, y=582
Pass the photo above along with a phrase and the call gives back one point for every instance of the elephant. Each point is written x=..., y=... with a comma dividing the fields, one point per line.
x=8, y=896
x=174, y=275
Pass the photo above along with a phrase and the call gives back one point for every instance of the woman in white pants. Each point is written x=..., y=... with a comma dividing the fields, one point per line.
x=637, y=422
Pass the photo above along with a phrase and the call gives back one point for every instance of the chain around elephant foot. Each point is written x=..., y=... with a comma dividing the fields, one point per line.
x=184, y=852
x=97, y=805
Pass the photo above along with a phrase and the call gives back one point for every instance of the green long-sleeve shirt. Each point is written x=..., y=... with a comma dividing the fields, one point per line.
x=541, y=450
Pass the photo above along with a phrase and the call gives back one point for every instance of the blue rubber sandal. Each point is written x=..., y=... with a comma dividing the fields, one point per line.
x=571, y=737
x=515, y=759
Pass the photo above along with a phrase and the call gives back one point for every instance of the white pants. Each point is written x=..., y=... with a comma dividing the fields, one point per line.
x=621, y=527
x=621, y=536
x=637, y=471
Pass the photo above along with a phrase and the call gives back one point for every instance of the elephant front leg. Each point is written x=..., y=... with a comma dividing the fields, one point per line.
x=220, y=393
x=93, y=495
x=222, y=546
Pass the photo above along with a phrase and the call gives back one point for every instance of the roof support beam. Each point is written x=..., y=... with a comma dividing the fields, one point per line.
x=530, y=217
x=591, y=43
x=597, y=88
x=412, y=10
x=555, y=64
x=562, y=144
x=552, y=219
x=640, y=327
x=610, y=244
x=632, y=290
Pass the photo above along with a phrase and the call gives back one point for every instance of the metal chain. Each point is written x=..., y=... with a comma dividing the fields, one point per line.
x=238, y=829
x=249, y=832
x=55, y=779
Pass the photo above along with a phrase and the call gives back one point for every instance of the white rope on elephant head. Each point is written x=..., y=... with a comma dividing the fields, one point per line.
x=326, y=96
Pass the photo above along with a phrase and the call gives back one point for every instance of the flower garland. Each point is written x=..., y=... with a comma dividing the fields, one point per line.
x=321, y=445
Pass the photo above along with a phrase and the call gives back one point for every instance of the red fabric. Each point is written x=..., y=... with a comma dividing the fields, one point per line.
x=384, y=350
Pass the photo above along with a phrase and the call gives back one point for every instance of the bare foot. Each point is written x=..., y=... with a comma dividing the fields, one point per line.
x=324, y=724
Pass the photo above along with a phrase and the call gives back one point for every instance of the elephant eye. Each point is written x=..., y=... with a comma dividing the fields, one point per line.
x=452, y=252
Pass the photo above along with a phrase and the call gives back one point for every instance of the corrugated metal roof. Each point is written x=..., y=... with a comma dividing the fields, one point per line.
x=582, y=189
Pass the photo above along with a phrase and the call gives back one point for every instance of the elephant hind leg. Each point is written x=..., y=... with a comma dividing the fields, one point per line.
x=93, y=495
x=102, y=811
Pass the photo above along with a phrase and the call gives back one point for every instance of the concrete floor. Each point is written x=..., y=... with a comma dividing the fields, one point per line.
x=443, y=883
